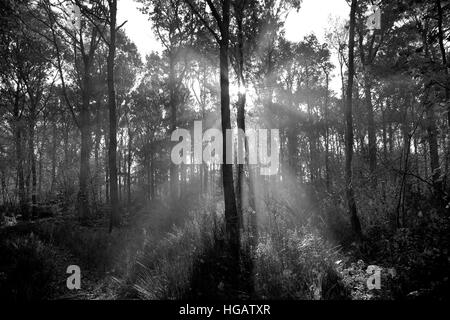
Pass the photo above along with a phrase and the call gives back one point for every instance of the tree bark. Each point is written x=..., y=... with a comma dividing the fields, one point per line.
x=351, y=203
x=83, y=198
x=240, y=117
x=327, y=135
x=32, y=158
x=19, y=158
x=53, y=156
x=231, y=216
x=129, y=160
x=114, y=201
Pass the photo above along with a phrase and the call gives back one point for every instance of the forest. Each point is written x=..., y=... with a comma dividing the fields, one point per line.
x=124, y=176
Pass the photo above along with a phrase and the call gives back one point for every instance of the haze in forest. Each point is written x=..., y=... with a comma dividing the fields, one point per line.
x=129, y=155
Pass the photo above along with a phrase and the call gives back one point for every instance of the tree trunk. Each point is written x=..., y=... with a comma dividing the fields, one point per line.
x=240, y=117
x=32, y=158
x=98, y=137
x=327, y=142
x=231, y=216
x=356, y=226
x=83, y=198
x=18, y=145
x=114, y=201
x=53, y=157
x=130, y=158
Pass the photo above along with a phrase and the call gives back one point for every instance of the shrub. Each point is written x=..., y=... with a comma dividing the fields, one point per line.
x=300, y=265
x=27, y=269
x=419, y=253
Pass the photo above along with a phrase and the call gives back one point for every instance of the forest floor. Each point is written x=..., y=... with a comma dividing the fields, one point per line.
x=95, y=284
x=44, y=248
x=155, y=256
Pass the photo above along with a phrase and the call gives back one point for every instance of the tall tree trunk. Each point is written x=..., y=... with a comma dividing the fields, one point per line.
x=83, y=198
x=130, y=158
x=356, y=226
x=240, y=117
x=114, y=201
x=19, y=158
x=107, y=198
x=40, y=152
x=383, y=119
x=32, y=158
x=98, y=137
x=65, y=168
x=327, y=135
x=242, y=150
x=231, y=216
x=53, y=156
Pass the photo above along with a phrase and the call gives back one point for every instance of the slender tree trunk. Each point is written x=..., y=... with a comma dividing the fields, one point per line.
x=65, y=168
x=327, y=135
x=83, y=198
x=53, y=157
x=107, y=198
x=356, y=226
x=40, y=152
x=383, y=115
x=130, y=158
x=98, y=137
x=114, y=201
x=240, y=117
x=32, y=157
x=231, y=216
x=19, y=158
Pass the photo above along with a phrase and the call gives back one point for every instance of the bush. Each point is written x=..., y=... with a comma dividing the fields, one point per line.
x=300, y=265
x=27, y=269
x=419, y=253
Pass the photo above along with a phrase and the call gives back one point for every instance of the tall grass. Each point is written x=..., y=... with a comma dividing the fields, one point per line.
x=191, y=262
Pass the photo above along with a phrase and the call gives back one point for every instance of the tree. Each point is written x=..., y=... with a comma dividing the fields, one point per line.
x=114, y=201
x=351, y=203
x=222, y=21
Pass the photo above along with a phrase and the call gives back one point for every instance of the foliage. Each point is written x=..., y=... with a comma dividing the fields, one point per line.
x=27, y=270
